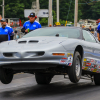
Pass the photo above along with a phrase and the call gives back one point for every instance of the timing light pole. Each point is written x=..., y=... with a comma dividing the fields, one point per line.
x=76, y=13
x=3, y=9
x=57, y=10
x=37, y=5
x=50, y=12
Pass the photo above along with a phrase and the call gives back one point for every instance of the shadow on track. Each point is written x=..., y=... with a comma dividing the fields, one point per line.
x=57, y=88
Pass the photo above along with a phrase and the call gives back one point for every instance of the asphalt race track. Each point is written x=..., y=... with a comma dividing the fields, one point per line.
x=24, y=87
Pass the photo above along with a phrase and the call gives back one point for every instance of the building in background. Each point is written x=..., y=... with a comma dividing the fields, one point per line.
x=14, y=22
x=87, y=23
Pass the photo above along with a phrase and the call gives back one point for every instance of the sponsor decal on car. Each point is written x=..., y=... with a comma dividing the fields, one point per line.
x=89, y=69
x=64, y=58
x=98, y=62
x=93, y=61
x=95, y=66
x=62, y=61
x=98, y=67
x=69, y=54
x=84, y=63
x=91, y=65
x=88, y=64
x=69, y=64
x=85, y=68
x=88, y=60
x=70, y=59
x=85, y=59
x=98, y=72
x=92, y=69
x=95, y=70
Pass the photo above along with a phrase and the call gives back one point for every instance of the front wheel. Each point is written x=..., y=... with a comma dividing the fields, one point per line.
x=6, y=75
x=42, y=78
x=76, y=69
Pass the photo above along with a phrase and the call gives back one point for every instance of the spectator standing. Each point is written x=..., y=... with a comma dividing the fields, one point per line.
x=98, y=31
x=31, y=25
x=91, y=30
x=0, y=20
x=5, y=31
x=83, y=26
x=16, y=34
x=54, y=25
x=50, y=25
x=12, y=35
x=62, y=24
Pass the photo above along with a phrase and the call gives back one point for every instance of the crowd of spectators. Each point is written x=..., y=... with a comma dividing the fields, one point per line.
x=92, y=30
x=7, y=33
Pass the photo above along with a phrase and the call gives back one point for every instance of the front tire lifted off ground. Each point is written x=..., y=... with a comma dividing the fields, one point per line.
x=6, y=75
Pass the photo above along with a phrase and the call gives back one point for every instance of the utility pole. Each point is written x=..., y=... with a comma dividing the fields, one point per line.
x=3, y=9
x=57, y=10
x=37, y=5
x=76, y=13
x=50, y=12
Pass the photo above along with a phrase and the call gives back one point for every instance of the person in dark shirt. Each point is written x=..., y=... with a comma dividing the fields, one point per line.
x=91, y=30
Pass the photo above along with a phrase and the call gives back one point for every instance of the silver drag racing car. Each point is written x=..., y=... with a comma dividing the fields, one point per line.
x=51, y=51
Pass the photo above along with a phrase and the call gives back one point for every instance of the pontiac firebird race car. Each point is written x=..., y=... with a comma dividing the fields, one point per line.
x=51, y=51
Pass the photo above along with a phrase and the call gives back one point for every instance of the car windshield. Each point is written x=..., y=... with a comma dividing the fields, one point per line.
x=61, y=32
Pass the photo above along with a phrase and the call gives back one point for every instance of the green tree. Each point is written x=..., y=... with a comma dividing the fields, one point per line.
x=95, y=9
x=87, y=9
x=13, y=10
x=54, y=17
x=44, y=21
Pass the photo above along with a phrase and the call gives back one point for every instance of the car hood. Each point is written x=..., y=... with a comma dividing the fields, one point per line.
x=33, y=43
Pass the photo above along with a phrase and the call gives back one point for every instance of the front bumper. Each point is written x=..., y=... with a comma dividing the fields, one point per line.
x=35, y=61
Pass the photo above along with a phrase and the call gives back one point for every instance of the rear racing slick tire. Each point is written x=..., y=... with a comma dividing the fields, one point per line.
x=97, y=79
x=42, y=78
x=75, y=70
x=6, y=75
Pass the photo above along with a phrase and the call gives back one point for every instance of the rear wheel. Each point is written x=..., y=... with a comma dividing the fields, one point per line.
x=42, y=78
x=97, y=79
x=76, y=69
x=6, y=75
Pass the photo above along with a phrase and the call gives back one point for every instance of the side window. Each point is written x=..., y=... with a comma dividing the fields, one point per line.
x=88, y=37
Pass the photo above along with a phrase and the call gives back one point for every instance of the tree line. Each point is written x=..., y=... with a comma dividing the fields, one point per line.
x=87, y=9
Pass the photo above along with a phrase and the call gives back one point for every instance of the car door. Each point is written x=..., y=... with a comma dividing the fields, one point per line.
x=88, y=44
x=91, y=62
x=95, y=47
